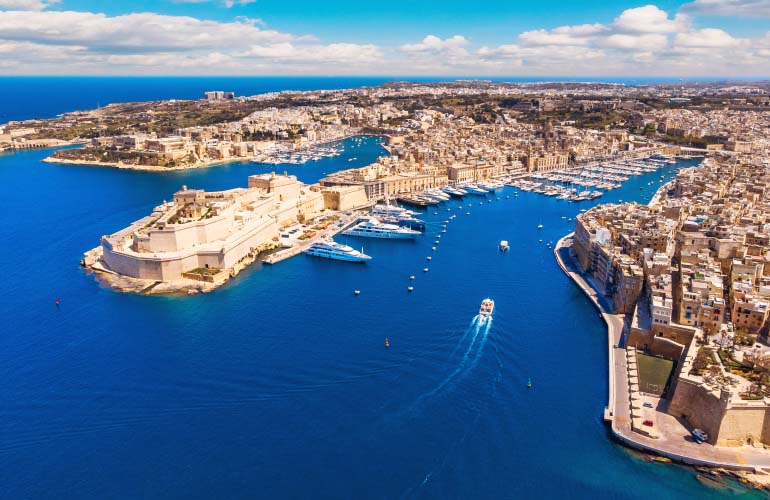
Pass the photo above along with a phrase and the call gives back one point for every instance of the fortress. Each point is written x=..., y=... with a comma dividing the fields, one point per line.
x=209, y=233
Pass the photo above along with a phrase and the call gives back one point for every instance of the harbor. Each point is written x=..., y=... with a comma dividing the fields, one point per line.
x=576, y=184
x=278, y=341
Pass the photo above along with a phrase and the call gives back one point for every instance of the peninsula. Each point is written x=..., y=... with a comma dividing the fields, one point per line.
x=684, y=286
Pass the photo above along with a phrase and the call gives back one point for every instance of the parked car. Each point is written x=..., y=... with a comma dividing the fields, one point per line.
x=647, y=404
x=648, y=423
x=699, y=436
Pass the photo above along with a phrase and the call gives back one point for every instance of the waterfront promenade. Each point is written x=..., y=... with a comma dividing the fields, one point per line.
x=299, y=247
x=673, y=438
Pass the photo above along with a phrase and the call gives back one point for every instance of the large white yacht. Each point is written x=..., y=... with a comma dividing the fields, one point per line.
x=373, y=228
x=388, y=210
x=475, y=189
x=330, y=249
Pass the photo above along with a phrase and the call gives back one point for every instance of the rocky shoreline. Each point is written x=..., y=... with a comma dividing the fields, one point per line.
x=142, y=168
x=186, y=286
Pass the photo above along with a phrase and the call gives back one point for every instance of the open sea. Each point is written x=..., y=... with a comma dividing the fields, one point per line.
x=278, y=384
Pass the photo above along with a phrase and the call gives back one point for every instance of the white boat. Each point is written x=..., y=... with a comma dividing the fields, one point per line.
x=330, y=249
x=477, y=190
x=504, y=245
x=487, y=306
x=438, y=194
x=389, y=210
x=372, y=228
x=456, y=192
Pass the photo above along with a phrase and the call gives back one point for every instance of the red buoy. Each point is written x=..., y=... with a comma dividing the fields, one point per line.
x=57, y=301
x=387, y=344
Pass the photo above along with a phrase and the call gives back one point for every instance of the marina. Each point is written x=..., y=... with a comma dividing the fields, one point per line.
x=591, y=181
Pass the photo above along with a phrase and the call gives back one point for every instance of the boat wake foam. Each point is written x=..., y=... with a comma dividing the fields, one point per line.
x=478, y=332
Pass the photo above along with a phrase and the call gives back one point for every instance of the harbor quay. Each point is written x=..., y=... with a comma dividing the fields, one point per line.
x=680, y=285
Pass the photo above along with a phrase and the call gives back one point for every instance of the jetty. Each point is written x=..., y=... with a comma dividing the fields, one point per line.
x=290, y=251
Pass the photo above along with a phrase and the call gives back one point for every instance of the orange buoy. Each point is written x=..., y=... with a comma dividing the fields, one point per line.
x=387, y=344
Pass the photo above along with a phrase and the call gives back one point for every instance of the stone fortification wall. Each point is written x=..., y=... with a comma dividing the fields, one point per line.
x=171, y=266
x=699, y=406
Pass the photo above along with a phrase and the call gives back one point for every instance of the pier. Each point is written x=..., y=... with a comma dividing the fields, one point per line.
x=290, y=251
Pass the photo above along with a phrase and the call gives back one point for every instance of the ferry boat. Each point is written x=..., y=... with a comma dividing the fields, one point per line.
x=330, y=249
x=487, y=306
x=373, y=228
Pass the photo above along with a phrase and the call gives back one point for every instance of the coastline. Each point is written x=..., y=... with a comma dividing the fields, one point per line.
x=196, y=165
x=186, y=286
x=750, y=467
x=141, y=168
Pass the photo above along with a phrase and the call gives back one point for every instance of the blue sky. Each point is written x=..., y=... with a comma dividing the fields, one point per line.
x=712, y=38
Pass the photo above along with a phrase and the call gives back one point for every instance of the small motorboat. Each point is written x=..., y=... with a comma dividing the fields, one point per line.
x=487, y=306
x=504, y=245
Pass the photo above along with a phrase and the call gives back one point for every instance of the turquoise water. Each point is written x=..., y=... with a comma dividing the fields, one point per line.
x=278, y=384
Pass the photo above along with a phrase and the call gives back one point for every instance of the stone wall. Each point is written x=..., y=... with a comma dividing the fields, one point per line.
x=743, y=425
x=171, y=266
x=699, y=406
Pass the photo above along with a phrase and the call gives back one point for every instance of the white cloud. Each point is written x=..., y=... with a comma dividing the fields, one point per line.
x=227, y=3
x=647, y=19
x=639, y=41
x=26, y=4
x=142, y=32
x=563, y=35
x=647, y=42
x=432, y=43
x=705, y=38
x=231, y=3
x=347, y=53
x=748, y=8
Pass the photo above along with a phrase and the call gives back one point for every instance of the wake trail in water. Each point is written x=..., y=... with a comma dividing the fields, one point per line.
x=478, y=332
x=486, y=325
x=465, y=336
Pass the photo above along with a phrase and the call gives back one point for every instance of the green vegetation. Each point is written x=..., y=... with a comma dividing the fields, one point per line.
x=654, y=374
x=703, y=359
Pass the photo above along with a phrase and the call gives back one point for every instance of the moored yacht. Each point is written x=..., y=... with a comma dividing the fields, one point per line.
x=457, y=192
x=474, y=189
x=391, y=210
x=373, y=228
x=330, y=249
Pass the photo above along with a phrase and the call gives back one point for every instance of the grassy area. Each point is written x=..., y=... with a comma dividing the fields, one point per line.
x=654, y=374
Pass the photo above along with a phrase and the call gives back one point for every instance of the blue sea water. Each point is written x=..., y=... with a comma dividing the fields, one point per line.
x=278, y=384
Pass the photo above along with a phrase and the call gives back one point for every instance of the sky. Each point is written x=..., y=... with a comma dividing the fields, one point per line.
x=568, y=38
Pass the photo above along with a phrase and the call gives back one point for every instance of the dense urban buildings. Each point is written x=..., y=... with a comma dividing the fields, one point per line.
x=690, y=270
